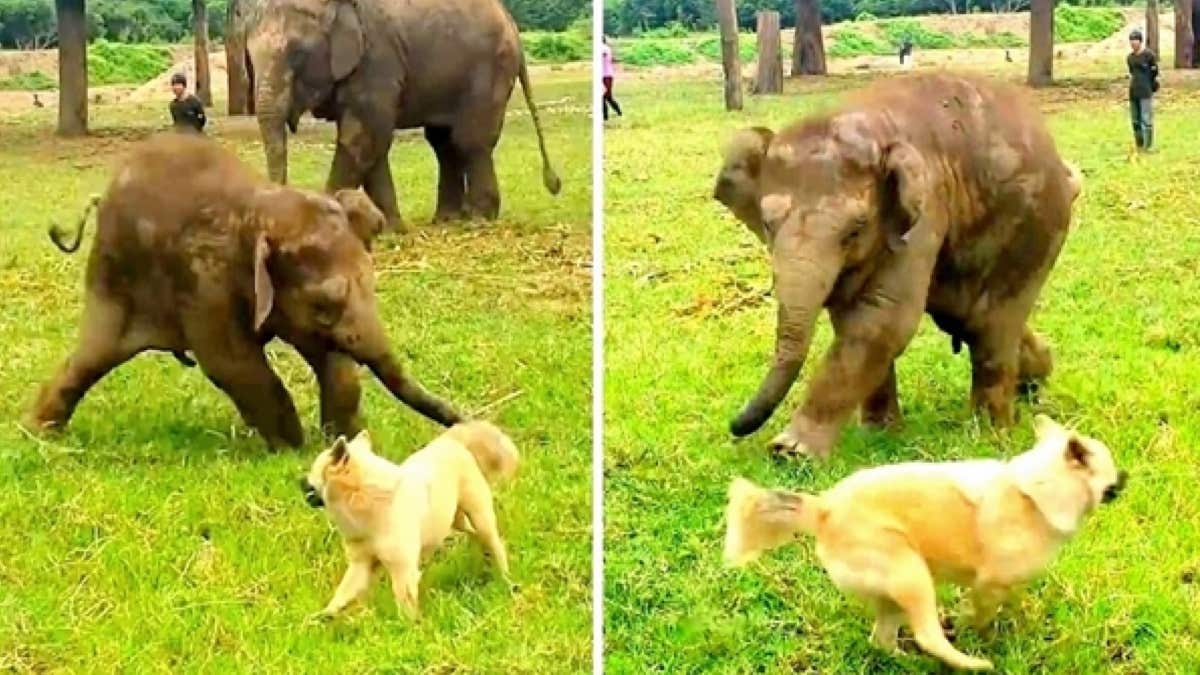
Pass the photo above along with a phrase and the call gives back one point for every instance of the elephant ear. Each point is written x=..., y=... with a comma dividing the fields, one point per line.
x=345, y=40
x=264, y=289
x=904, y=189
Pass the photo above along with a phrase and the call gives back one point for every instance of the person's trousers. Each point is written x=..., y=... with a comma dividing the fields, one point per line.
x=609, y=101
x=1141, y=114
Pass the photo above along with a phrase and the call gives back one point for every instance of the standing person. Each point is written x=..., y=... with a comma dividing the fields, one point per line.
x=606, y=76
x=187, y=113
x=1143, y=82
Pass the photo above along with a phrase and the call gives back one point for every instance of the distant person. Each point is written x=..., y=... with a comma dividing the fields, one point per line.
x=187, y=113
x=606, y=77
x=1143, y=82
x=906, y=48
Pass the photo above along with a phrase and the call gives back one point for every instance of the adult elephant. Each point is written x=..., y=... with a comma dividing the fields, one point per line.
x=373, y=66
x=932, y=193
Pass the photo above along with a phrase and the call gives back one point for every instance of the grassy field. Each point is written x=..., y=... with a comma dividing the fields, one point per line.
x=689, y=336
x=157, y=535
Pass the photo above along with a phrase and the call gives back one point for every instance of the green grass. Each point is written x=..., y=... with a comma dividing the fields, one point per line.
x=157, y=535
x=33, y=81
x=119, y=63
x=1085, y=24
x=689, y=337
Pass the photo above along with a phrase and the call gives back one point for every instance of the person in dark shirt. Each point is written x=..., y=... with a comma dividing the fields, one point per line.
x=1143, y=82
x=187, y=113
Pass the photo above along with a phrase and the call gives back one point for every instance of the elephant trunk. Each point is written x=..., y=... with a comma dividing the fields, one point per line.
x=410, y=392
x=272, y=117
x=802, y=290
x=370, y=348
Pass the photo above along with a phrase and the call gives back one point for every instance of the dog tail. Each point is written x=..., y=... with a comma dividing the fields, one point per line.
x=760, y=519
x=493, y=450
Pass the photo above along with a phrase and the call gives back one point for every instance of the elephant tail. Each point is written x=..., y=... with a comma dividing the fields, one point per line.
x=1074, y=180
x=549, y=178
x=56, y=233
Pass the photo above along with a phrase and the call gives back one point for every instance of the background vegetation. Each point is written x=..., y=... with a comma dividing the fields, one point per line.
x=31, y=23
x=633, y=17
x=675, y=43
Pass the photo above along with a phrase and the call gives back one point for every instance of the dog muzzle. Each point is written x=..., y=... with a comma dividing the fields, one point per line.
x=1113, y=491
x=311, y=495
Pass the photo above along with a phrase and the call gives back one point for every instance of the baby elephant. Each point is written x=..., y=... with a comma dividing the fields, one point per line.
x=934, y=194
x=194, y=252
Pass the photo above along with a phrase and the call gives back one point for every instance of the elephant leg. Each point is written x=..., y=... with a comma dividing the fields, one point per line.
x=858, y=365
x=1034, y=364
x=238, y=367
x=451, y=174
x=102, y=347
x=483, y=190
x=882, y=407
x=341, y=391
x=995, y=365
x=361, y=147
x=382, y=190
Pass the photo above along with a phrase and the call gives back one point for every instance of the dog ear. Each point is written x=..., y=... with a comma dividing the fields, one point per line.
x=339, y=453
x=1076, y=453
x=1043, y=426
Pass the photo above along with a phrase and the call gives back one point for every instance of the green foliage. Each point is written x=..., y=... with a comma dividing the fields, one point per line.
x=557, y=47
x=673, y=29
x=548, y=15
x=849, y=41
x=117, y=63
x=26, y=24
x=710, y=48
x=1003, y=39
x=32, y=81
x=1085, y=24
x=896, y=31
x=863, y=17
x=655, y=53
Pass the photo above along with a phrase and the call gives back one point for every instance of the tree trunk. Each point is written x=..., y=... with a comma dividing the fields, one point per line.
x=770, y=58
x=730, y=60
x=1041, y=43
x=238, y=76
x=1152, y=26
x=72, y=67
x=808, y=49
x=1195, y=34
x=1184, y=38
x=200, y=30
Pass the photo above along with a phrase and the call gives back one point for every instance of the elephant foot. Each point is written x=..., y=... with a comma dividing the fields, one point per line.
x=448, y=215
x=804, y=439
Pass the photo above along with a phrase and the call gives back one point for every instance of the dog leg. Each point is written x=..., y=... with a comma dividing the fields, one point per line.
x=911, y=587
x=406, y=580
x=462, y=523
x=888, y=618
x=986, y=600
x=478, y=507
x=354, y=583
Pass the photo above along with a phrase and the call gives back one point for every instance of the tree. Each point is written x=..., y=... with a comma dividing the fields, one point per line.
x=200, y=28
x=730, y=61
x=1152, y=26
x=1184, y=37
x=808, y=48
x=770, y=57
x=72, y=67
x=1195, y=34
x=1041, y=43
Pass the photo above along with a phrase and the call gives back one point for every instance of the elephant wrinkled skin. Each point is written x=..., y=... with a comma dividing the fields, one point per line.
x=930, y=193
x=373, y=66
x=219, y=264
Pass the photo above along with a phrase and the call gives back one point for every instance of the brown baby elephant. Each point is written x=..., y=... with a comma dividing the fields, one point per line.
x=193, y=252
x=931, y=193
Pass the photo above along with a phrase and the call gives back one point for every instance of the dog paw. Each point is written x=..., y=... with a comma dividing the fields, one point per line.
x=323, y=616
